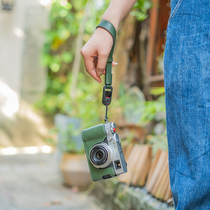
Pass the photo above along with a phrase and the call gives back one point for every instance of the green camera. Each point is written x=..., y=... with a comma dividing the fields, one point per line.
x=104, y=152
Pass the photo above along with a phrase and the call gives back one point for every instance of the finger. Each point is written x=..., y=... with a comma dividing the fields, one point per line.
x=101, y=65
x=114, y=64
x=93, y=74
x=90, y=65
x=91, y=69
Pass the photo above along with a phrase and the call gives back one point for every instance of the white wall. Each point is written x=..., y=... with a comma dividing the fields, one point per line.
x=12, y=26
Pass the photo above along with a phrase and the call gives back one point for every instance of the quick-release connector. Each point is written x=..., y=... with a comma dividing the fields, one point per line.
x=107, y=95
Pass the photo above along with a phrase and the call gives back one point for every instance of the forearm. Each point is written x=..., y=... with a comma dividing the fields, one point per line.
x=117, y=10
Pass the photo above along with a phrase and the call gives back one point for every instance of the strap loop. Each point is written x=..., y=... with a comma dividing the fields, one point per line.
x=111, y=29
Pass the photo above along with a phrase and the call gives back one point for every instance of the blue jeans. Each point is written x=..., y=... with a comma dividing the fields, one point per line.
x=187, y=86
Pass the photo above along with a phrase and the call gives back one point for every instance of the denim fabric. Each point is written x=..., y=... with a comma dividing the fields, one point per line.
x=187, y=86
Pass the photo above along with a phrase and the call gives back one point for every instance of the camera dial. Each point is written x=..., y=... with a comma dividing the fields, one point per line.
x=100, y=155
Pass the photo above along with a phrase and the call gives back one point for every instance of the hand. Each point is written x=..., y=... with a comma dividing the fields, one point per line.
x=95, y=53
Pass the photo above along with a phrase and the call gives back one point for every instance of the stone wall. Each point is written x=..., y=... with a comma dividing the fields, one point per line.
x=117, y=196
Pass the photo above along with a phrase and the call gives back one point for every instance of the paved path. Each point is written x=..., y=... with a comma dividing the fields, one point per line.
x=33, y=182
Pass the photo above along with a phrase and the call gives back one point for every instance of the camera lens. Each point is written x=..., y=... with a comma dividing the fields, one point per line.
x=98, y=155
x=101, y=155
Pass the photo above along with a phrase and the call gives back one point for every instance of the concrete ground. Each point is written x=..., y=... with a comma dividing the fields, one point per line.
x=33, y=182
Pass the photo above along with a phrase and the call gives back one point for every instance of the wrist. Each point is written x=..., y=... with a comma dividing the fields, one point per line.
x=104, y=34
x=114, y=22
x=113, y=17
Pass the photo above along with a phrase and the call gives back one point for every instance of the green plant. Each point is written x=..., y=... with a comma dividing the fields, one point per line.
x=68, y=141
x=140, y=9
x=158, y=141
x=65, y=19
x=154, y=111
x=150, y=114
x=147, y=111
x=86, y=106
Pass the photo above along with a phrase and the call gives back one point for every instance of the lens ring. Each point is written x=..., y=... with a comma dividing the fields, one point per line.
x=106, y=153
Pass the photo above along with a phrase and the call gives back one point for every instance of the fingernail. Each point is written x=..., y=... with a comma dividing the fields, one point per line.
x=112, y=72
x=115, y=63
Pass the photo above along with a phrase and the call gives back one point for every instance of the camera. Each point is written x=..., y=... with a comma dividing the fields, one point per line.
x=104, y=152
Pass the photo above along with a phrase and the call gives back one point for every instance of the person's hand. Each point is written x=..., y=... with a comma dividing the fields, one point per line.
x=95, y=53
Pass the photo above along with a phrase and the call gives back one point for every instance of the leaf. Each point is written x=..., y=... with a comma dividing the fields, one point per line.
x=67, y=57
x=56, y=43
x=63, y=33
x=63, y=13
x=65, y=4
x=46, y=59
x=157, y=91
x=55, y=67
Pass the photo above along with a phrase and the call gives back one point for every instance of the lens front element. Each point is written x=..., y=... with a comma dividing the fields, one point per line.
x=99, y=155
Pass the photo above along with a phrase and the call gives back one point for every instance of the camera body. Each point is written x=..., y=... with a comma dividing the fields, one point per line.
x=104, y=152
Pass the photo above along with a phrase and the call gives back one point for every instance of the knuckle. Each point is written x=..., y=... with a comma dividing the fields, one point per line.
x=104, y=55
x=83, y=52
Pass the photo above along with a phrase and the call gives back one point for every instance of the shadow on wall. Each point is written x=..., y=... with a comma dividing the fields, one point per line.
x=19, y=125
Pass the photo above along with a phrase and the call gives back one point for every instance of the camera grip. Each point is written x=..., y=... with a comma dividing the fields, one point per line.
x=94, y=134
